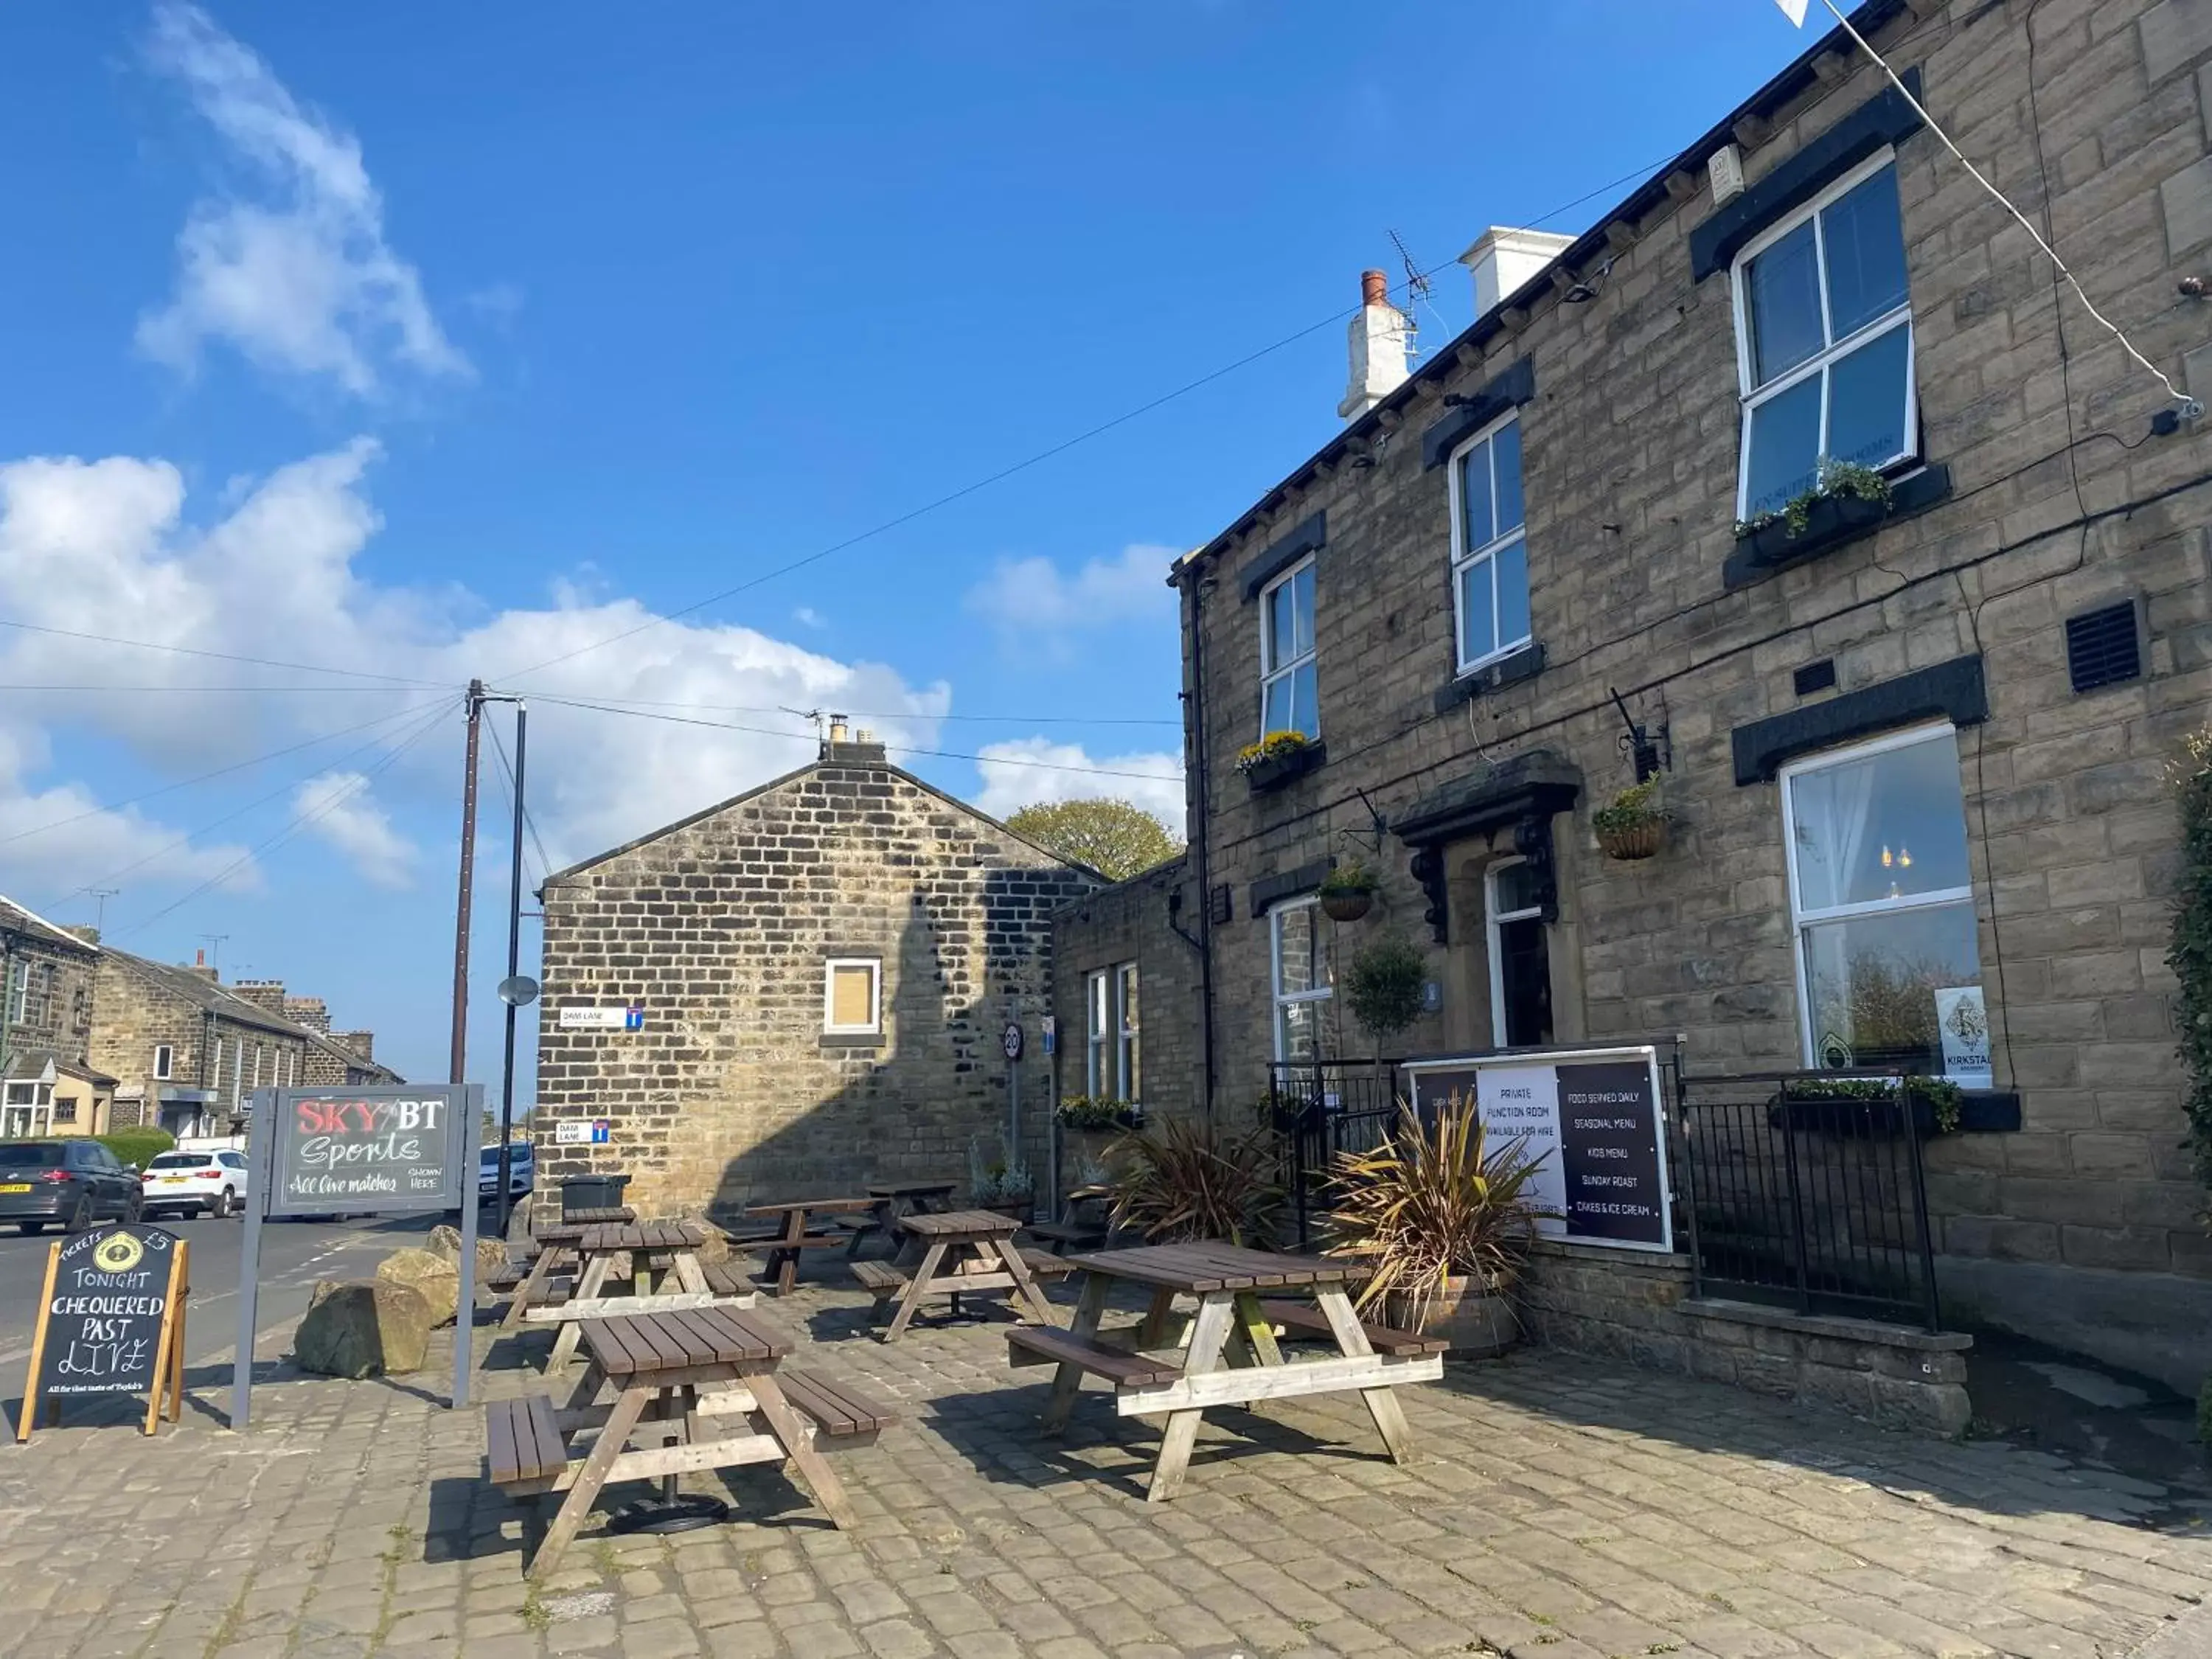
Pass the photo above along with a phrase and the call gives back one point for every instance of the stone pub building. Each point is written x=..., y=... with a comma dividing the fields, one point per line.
x=1909, y=717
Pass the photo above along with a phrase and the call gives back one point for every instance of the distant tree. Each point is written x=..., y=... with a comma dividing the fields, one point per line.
x=1117, y=838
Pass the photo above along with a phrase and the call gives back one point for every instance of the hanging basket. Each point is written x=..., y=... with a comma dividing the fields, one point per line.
x=1635, y=840
x=1346, y=906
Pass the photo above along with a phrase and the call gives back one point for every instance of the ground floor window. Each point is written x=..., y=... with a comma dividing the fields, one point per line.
x=1520, y=958
x=1883, y=907
x=1112, y=1050
x=26, y=1109
x=1305, y=980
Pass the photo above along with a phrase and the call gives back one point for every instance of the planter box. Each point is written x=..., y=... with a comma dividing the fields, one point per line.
x=1274, y=773
x=1477, y=1324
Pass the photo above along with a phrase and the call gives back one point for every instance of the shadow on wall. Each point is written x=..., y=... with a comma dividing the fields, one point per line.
x=912, y=1108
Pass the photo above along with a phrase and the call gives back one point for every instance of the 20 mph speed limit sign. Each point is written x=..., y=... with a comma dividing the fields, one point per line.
x=1011, y=1040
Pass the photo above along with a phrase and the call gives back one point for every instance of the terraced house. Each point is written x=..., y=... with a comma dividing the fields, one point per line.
x=1800, y=489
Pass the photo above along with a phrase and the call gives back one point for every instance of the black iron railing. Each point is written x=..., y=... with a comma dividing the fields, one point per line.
x=1322, y=1108
x=1806, y=1189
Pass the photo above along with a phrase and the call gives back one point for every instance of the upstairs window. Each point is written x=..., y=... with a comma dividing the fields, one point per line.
x=1824, y=342
x=164, y=1061
x=1489, y=552
x=1289, y=695
x=852, y=997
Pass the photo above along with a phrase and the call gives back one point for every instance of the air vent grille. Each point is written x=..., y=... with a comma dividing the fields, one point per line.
x=2102, y=648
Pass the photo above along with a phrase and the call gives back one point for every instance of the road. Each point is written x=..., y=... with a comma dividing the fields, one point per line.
x=293, y=1255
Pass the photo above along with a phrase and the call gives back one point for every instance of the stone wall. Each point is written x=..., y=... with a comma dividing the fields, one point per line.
x=1134, y=922
x=134, y=1013
x=721, y=926
x=1639, y=1308
x=57, y=1008
x=1631, y=444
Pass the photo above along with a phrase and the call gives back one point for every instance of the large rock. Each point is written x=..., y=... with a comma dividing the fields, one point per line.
x=436, y=1280
x=363, y=1328
x=444, y=1243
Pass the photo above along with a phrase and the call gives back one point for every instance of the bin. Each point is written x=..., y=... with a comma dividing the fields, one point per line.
x=591, y=1193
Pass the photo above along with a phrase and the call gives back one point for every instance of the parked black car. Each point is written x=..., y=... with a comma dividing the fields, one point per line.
x=71, y=1182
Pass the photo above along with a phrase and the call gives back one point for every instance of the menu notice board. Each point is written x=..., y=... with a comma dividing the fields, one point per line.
x=1593, y=1118
x=368, y=1151
x=110, y=1321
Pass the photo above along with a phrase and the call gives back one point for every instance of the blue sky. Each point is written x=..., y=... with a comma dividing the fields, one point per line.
x=421, y=340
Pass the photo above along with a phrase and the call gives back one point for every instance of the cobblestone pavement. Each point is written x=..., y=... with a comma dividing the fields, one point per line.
x=1565, y=1508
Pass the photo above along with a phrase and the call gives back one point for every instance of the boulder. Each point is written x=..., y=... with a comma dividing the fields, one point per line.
x=433, y=1278
x=444, y=1243
x=363, y=1328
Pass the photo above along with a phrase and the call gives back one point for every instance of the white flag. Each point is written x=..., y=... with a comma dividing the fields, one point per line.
x=1793, y=10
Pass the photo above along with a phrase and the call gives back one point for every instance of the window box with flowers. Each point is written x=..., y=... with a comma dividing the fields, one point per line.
x=1277, y=758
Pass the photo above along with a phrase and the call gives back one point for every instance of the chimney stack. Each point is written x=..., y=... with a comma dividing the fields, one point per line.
x=1381, y=338
x=1504, y=258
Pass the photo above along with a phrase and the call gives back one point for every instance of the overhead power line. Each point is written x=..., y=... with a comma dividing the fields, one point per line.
x=1036, y=459
x=386, y=718
x=298, y=822
x=891, y=714
x=894, y=748
x=218, y=656
x=529, y=822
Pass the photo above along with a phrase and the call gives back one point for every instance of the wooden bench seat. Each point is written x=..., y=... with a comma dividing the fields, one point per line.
x=523, y=1441
x=1065, y=1235
x=505, y=1277
x=1043, y=1264
x=1303, y=1319
x=880, y=1279
x=727, y=1278
x=842, y=1414
x=1038, y=1344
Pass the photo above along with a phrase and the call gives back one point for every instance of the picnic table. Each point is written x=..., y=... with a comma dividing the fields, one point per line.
x=1231, y=1356
x=668, y=1248
x=889, y=1200
x=688, y=1378
x=982, y=1256
x=783, y=1266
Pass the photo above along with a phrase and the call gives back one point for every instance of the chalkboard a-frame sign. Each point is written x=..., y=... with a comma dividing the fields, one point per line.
x=110, y=1321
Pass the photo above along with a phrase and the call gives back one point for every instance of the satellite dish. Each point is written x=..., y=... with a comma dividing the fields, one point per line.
x=520, y=992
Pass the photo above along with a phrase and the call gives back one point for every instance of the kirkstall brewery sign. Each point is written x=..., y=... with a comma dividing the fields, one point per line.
x=1592, y=1117
x=367, y=1151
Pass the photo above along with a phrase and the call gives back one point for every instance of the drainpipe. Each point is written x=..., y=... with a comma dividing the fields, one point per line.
x=7, y=1002
x=1194, y=719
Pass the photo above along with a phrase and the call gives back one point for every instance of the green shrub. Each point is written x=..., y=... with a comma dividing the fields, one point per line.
x=137, y=1147
x=1382, y=987
x=2190, y=954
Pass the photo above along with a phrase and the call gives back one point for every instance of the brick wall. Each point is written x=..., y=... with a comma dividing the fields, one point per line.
x=721, y=926
x=1630, y=459
x=1130, y=922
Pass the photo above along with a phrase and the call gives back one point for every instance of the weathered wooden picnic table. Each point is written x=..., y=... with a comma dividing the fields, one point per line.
x=781, y=1271
x=982, y=1256
x=552, y=1243
x=888, y=1201
x=667, y=1248
x=688, y=1376
x=1231, y=1356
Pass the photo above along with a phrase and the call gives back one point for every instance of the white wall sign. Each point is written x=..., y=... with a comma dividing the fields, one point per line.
x=1593, y=1116
x=601, y=1019
x=582, y=1132
x=1963, y=1020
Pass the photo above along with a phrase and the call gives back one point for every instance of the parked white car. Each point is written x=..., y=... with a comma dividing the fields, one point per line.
x=184, y=1183
x=521, y=1170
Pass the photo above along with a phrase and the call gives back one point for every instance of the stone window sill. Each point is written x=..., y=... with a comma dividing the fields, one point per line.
x=852, y=1039
x=1832, y=523
x=1525, y=664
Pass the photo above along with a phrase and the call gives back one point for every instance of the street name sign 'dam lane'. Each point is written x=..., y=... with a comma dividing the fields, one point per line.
x=1596, y=1119
x=397, y=1150
x=110, y=1321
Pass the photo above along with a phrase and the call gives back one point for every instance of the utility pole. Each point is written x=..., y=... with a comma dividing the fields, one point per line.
x=514, y=967
x=459, y=1065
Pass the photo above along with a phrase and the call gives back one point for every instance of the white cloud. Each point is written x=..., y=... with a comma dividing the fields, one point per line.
x=103, y=547
x=338, y=807
x=1036, y=608
x=92, y=843
x=809, y=617
x=292, y=269
x=1020, y=773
